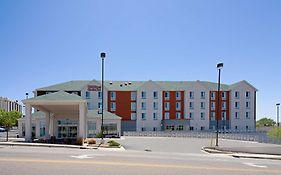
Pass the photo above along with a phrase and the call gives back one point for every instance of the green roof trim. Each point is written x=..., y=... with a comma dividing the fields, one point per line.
x=106, y=115
x=78, y=85
x=56, y=96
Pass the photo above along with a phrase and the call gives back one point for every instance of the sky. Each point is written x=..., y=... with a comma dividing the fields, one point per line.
x=47, y=42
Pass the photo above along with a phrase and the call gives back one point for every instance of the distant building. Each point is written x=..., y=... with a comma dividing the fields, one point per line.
x=69, y=108
x=9, y=105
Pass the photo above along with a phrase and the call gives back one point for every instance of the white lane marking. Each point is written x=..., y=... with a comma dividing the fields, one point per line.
x=254, y=165
x=82, y=157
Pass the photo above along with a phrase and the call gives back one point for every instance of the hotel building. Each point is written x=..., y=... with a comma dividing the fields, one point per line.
x=9, y=105
x=72, y=109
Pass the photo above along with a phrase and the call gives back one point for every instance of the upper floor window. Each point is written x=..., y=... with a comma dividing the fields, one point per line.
x=167, y=106
x=178, y=95
x=133, y=95
x=202, y=115
x=143, y=94
x=112, y=106
x=247, y=104
x=202, y=95
x=213, y=95
x=202, y=105
x=223, y=95
x=167, y=95
x=112, y=95
x=99, y=94
x=143, y=105
x=236, y=105
x=99, y=105
x=213, y=105
x=155, y=95
x=248, y=94
x=191, y=95
x=191, y=115
x=236, y=115
x=247, y=115
x=223, y=105
x=155, y=116
x=178, y=106
x=191, y=106
x=143, y=116
x=237, y=95
x=167, y=115
x=133, y=106
x=155, y=105
x=88, y=94
x=223, y=115
x=90, y=106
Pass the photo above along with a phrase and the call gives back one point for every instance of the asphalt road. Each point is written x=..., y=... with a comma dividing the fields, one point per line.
x=44, y=161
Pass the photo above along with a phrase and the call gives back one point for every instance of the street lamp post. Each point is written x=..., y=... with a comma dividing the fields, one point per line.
x=219, y=67
x=102, y=55
x=277, y=105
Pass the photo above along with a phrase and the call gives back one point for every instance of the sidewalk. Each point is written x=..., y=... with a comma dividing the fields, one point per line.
x=265, y=152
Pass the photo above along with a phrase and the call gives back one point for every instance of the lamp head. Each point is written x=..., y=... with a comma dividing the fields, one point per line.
x=102, y=55
x=219, y=65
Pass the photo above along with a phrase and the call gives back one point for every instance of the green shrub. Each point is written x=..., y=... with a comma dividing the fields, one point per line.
x=99, y=135
x=113, y=143
x=275, y=133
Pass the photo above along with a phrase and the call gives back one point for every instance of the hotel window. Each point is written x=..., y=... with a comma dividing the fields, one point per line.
x=178, y=95
x=143, y=116
x=213, y=116
x=133, y=95
x=236, y=127
x=133, y=106
x=191, y=128
x=213, y=106
x=155, y=105
x=202, y=105
x=247, y=115
x=155, y=116
x=237, y=95
x=223, y=105
x=178, y=106
x=247, y=94
x=112, y=106
x=167, y=95
x=100, y=95
x=155, y=95
x=167, y=106
x=133, y=116
x=223, y=95
x=202, y=115
x=143, y=94
x=154, y=129
x=236, y=115
x=167, y=116
x=213, y=95
x=191, y=95
x=99, y=105
x=202, y=128
x=247, y=127
x=247, y=104
x=203, y=95
x=223, y=115
x=88, y=95
x=112, y=95
x=90, y=106
x=191, y=116
x=237, y=105
x=190, y=105
x=143, y=105
x=143, y=129
x=178, y=115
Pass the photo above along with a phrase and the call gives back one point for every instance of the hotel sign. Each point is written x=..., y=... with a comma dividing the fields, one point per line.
x=94, y=88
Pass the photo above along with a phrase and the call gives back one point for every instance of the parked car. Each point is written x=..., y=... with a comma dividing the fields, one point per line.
x=2, y=129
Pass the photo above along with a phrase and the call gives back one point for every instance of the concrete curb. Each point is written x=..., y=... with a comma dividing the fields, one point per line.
x=215, y=150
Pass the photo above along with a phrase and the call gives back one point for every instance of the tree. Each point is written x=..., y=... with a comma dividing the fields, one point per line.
x=265, y=122
x=275, y=133
x=9, y=119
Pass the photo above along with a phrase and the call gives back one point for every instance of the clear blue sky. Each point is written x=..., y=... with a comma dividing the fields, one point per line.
x=48, y=42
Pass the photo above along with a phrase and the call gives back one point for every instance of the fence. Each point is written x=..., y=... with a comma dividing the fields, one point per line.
x=260, y=137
